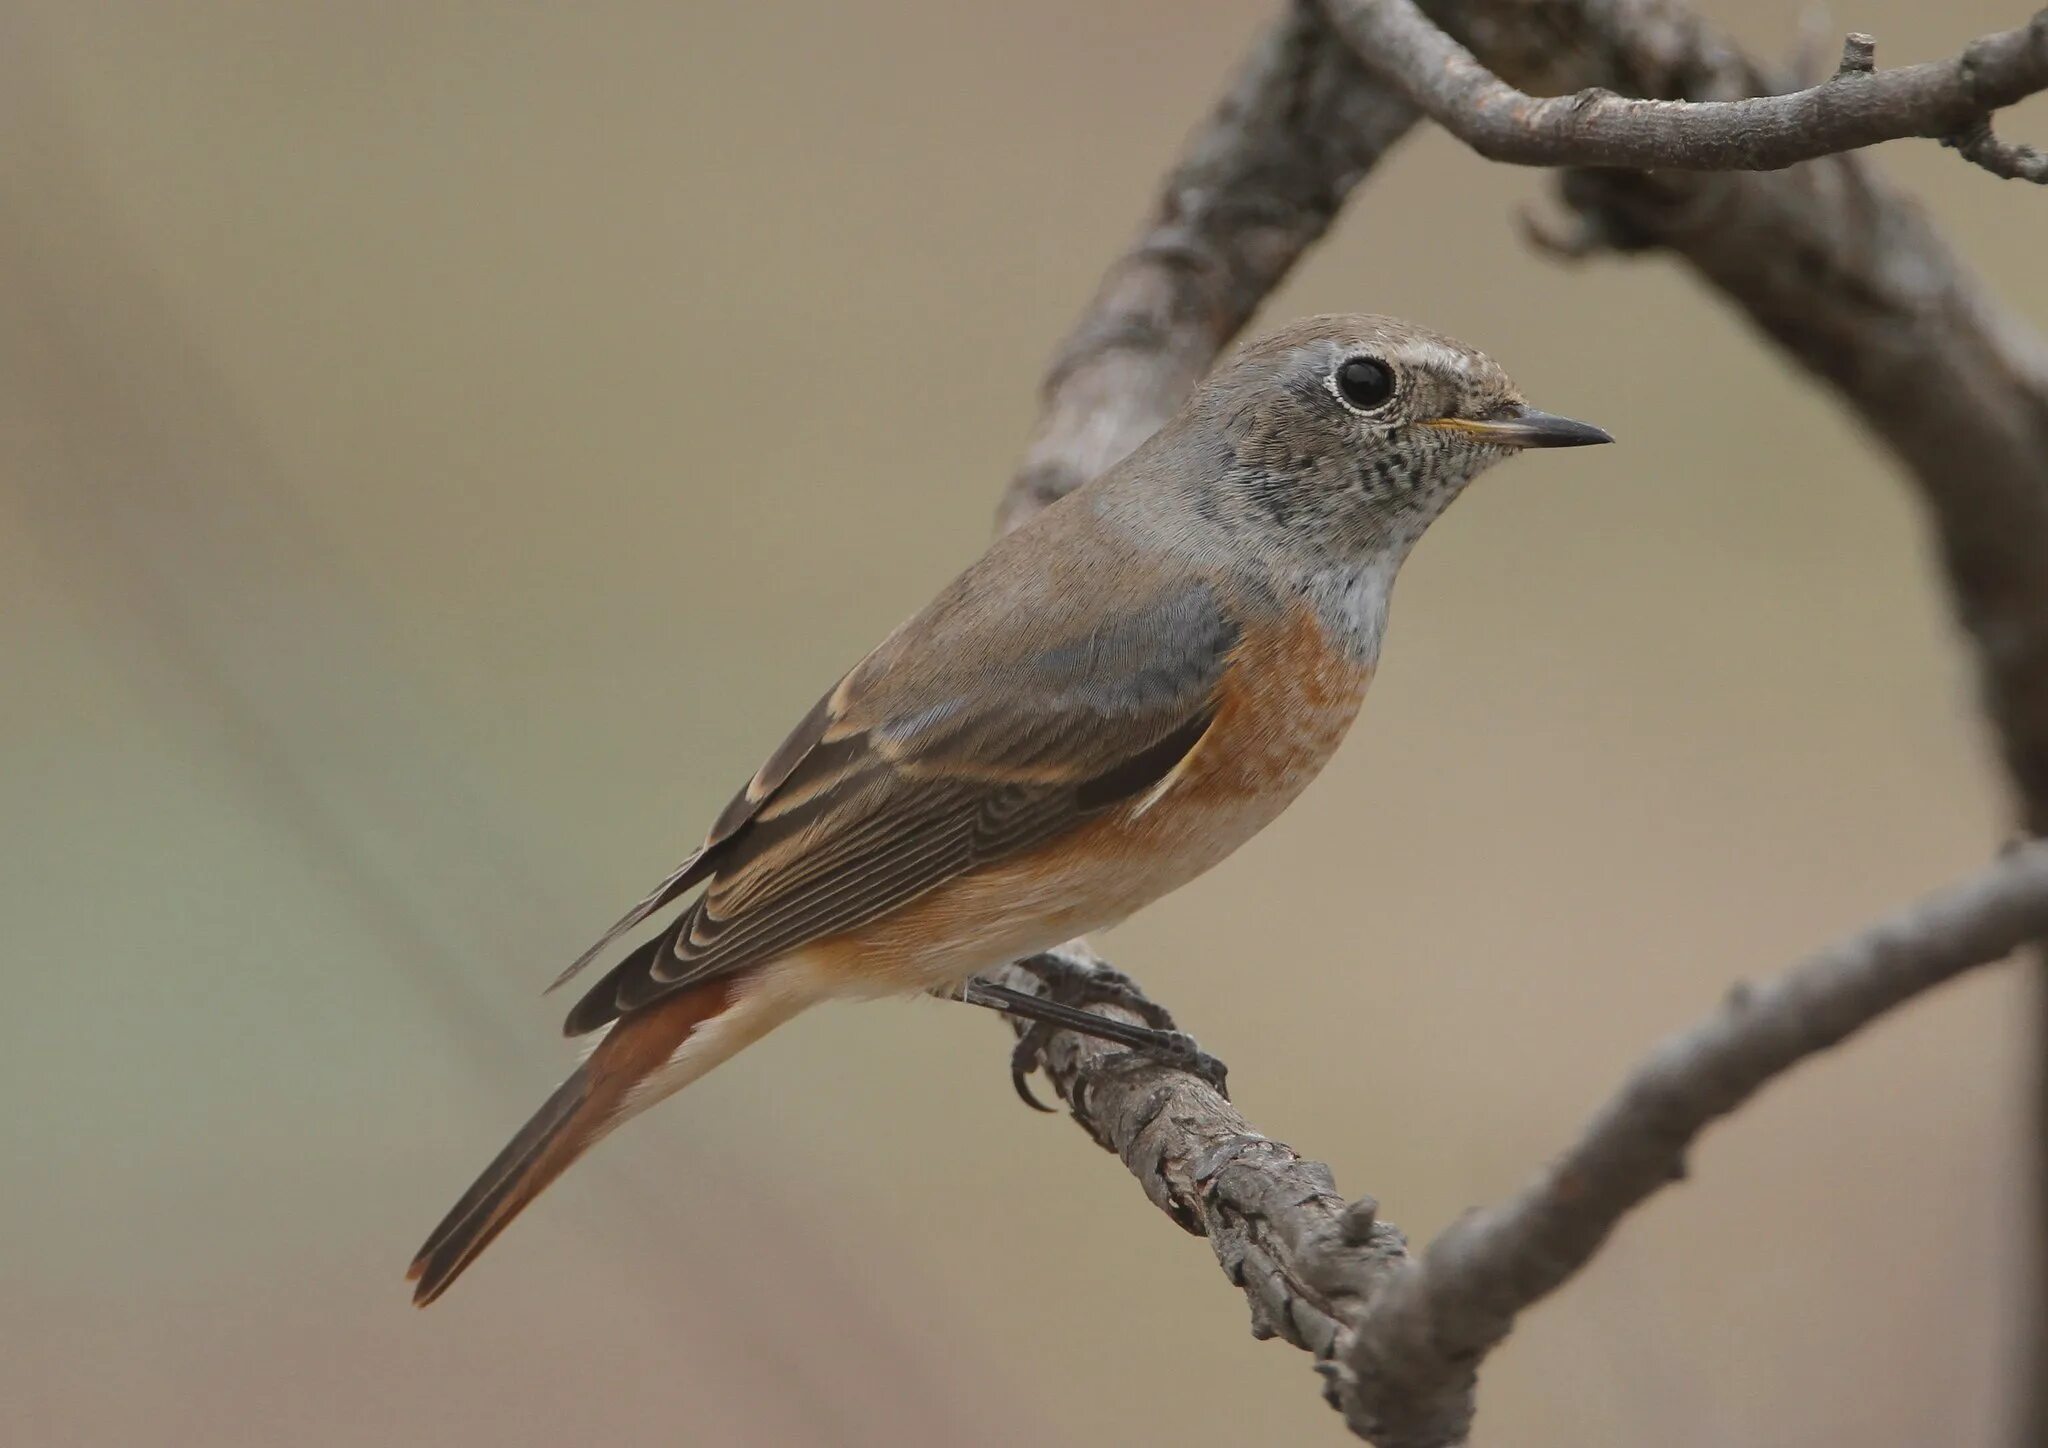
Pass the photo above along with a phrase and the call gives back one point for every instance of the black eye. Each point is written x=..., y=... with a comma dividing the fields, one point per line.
x=1365, y=383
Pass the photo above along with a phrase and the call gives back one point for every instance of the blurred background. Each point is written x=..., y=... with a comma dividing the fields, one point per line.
x=443, y=446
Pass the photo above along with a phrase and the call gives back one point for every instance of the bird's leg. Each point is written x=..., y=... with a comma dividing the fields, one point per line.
x=1070, y=988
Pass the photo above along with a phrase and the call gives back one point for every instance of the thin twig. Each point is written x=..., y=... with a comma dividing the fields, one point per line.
x=1858, y=106
x=2010, y=160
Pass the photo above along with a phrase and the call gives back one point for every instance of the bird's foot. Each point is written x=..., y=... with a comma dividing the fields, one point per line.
x=1175, y=1050
x=1070, y=988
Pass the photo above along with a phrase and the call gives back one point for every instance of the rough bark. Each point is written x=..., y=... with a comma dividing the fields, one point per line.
x=1400, y=1339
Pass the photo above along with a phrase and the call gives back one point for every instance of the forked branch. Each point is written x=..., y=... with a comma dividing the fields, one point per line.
x=1851, y=282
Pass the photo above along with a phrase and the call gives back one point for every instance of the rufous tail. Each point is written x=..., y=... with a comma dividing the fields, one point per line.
x=642, y=1058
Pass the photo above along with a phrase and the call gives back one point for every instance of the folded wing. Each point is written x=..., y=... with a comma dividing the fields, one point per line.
x=1008, y=712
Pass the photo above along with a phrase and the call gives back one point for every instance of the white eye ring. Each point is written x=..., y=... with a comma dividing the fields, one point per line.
x=1363, y=384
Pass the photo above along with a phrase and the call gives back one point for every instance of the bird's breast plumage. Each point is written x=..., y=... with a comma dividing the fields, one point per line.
x=1285, y=704
x=1290, y=694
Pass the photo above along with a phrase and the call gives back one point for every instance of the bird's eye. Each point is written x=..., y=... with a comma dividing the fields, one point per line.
x=1364, y=383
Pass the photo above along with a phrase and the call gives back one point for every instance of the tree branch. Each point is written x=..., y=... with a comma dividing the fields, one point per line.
x=1400, y=1340
x=1411, y=1363
x=1852, y=282
x=1254, y=188
x=1856, y=107
x=2008, y=160
x=1855, y=285
x=1303, y=1256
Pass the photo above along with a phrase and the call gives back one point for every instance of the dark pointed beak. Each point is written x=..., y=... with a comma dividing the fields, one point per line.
x=1527, y=427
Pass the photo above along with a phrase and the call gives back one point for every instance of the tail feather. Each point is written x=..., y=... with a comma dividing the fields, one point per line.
x=540, y=1152
x=641, y=1059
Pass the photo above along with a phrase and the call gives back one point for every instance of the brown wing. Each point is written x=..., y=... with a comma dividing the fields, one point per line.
x=698, y=866
x=1004, y=714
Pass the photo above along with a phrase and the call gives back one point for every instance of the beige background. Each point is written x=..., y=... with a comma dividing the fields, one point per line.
x=443, y=445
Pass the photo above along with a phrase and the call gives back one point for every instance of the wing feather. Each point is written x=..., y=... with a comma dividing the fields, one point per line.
x=975, y=733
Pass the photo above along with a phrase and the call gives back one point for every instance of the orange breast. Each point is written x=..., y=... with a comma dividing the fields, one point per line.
x=1285, y=705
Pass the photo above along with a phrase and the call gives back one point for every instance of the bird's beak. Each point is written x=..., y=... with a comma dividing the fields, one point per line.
x=1525, y=426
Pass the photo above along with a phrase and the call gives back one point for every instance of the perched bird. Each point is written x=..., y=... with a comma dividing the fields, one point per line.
x=1118, y=694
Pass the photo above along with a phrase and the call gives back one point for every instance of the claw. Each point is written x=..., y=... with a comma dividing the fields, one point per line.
x=1024, y=1092
x=1027, y=1056
x=1199, y=1062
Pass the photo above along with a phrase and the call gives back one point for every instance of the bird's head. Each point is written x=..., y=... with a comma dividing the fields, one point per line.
x=1346, y=436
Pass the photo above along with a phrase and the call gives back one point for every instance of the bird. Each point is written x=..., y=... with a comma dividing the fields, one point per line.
x=1120, y=692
